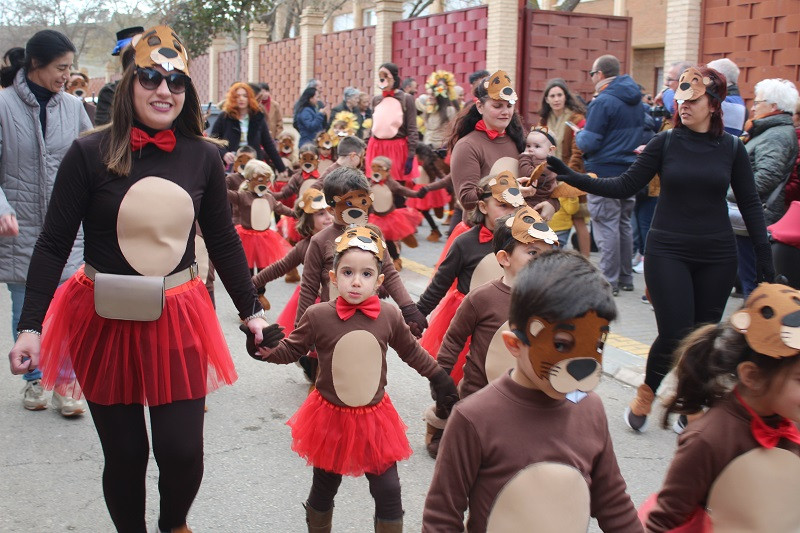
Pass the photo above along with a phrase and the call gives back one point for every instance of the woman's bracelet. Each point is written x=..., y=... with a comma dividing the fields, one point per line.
x=39, y=333
x=260, y=314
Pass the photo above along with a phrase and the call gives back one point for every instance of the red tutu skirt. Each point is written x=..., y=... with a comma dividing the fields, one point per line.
x=397, y=151
x=181, y=356
x=349, y=440
x=698, y=521
x=460, y=228
x=287, y=316
x=262, y=248
x=398, y=224
x=441, y=318
x=276, y=186
x=287, y=228
x=432, y=200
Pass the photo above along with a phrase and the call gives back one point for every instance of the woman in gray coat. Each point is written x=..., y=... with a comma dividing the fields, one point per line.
x=772, y=147
x=38, y=122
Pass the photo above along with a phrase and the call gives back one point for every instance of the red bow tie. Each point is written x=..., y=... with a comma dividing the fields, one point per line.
x=492, y=134
x=388, y=93
x=485, y=235
x=165, y=140
x=309, y=175
x=325, y=157
x=768, y=436
x=371, y=307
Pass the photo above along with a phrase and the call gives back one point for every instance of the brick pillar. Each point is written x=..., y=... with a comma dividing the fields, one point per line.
x=386, y=12
x=682, y=39
x=327, y=26
x=217, y=46
x=257, y=36
x=358, y=14
x=280, y=22
x=310, y=27
x=502, y=37
x=620, y=8
x=111, y=69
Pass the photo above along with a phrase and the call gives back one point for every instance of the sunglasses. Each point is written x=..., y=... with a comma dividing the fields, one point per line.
x=150, y=79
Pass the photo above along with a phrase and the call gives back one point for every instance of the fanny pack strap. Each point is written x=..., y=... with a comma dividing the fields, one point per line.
x=170, y=282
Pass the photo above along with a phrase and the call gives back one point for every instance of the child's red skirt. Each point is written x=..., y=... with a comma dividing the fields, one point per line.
x=398, y=224
x=262, y=248
x=277, y=186
x=460, y=228
x=349, y=440
x=181, y=356
x=698, y=521
x=287, y=316
x=432, y=200
x=397, y=151
x=441, y=318
x=287, y=228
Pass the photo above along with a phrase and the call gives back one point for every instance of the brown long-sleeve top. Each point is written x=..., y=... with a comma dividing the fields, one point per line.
x=352, y=353
x=504, y=428
x=384, y=193
x=319, y=261
x=705, y=448
x=293, y=185
x=233, y=181
x=545, y=184
x=244, y=202
x=291, y=260
x=481, y=314
x=408, y=129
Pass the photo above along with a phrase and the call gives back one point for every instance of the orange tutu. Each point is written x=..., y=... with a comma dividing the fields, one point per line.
x=432, y=200
x=398, y=224
x=181, y=356
x=349, y=440
x=441, y=318
x=262, y=248
x=698, y=521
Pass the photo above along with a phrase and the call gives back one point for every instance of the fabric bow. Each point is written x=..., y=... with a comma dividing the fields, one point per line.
x=768, y=436
x=387, y=93
x=309, y=175
x=492, y=134
x=371, y=307
x=164, y=140
x=485, y=235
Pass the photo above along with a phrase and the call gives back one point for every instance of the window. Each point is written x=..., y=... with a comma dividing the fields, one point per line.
x=343, y=22
x=368, y=17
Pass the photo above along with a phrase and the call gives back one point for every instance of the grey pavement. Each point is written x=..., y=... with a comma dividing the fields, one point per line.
x=50, y=467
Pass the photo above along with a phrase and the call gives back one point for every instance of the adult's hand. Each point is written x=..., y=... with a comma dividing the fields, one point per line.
x=256, y=327
x=9, y=226
x=229, y=158
x=24, y=356
x=283, y=176
x=545, y=209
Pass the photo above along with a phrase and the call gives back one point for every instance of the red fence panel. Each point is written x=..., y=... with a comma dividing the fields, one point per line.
x=344, y=59
x=227, y=71
x=279, y=66
x=198, y=69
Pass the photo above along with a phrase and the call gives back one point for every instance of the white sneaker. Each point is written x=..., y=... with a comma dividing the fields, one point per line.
x=639, y=267
x=68, y=407
x=637, y=259
x=33, y=396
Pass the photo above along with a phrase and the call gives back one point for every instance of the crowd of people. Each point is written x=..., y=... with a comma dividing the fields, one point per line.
x=119, y=317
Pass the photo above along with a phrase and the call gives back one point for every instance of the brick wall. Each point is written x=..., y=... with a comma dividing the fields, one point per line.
x=227, y=70
x=95, y=84
x=279, y=65
x=761, y=37
x=454, y=41
x=565, y=45
x=645, y=63
x=198, y=68
x=344, y=59
x=649, y=18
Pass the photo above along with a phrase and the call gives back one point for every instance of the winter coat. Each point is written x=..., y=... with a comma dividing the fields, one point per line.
x=613, y=130
x=309, y=123
x=228, y=128
x=28, y=165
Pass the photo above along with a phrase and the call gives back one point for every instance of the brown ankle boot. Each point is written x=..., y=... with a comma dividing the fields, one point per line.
x=434, y=236
x=317, y=521
x=639, y=408
x=438, y=212
x=410, y=241
x=388, y=526
x=264, y=302
x=293, y=276
x=433, y=431
x=183, y=529
x=398, y=264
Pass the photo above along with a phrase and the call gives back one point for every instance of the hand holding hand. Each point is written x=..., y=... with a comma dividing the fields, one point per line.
x=24, y=356
x=415, y=319
x=261, y=335
x=229, y=158
x=422, y=192
x=443, y=392
x=409, y=165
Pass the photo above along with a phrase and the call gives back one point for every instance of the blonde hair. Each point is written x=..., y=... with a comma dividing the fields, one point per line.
x=256, y=166
x=384, y=161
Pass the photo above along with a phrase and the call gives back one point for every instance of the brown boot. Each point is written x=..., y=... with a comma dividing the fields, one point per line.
x=183, y=529
x=438, y=212
x=293, y=276
x=410, y=241
x=262, y=298
x=640, y=406
x=398, y=264
x=434, y=236
x=388, y=526
x=433, y=431
x=317, y=521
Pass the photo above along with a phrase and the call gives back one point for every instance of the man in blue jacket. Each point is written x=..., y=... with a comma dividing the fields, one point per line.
x=613, y=130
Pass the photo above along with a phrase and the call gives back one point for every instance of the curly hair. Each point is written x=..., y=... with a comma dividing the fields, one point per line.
x=230, y=107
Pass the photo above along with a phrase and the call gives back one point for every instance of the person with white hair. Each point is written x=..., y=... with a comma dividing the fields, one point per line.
x=734, y=111
x=772, y=148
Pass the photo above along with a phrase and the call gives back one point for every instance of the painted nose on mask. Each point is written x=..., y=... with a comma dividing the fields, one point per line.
x=581, y=368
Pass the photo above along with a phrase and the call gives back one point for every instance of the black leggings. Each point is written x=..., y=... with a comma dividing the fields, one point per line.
x=429, y=219
x=385, y=490
x=177, y=432
x=684, y=294
x=392, y=248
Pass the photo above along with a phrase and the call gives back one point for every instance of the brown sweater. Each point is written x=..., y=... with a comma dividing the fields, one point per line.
x=244, y=201
x=705, y=448
x=481, y=314
x=291, y=260
x=233, y=181
x=504, y=428
x=294, y=185
x=384, y=193
x=359, y=364
x=319, y=261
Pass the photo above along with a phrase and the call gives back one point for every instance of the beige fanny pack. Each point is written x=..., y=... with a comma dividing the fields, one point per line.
x=139, y=298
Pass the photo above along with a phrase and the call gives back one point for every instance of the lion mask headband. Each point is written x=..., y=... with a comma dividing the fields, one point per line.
x=692, y=85
x=362, y=238
x=573, y=361
x=770, y=320
x=528, y=226
x=353, y=207
x=312, y=200
x=499, y=87
x=505, y=189
x=160, y=46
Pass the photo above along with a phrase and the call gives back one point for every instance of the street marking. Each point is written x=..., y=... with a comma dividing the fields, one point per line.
x=616, y=340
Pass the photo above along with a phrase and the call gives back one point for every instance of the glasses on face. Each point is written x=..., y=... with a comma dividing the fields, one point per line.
x=150, y=79
x=756, y=102
x=593, y=72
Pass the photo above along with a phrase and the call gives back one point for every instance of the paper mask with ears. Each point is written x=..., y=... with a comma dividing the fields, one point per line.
x=569, y=365
x=500, y=88
x=240, y=162
x=353, y=207
x=286, y=144
x=78, y=86
x=324, y=143
x=692, y=85
x=257, y=177
x=528, y=226
x=770, y=320
x=505, y=189
x=312, y=200
x=380, y=171
x=363, y=238
x=160, y=46
x=308, y=162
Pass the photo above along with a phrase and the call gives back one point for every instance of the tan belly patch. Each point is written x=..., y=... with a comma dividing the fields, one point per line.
x=387, y=117
x=305, y=185
x=757, y=491
x=505, y=163
x=384, y=201
x=498, y=358
x=260, y=214
x=201, y=256
x=543, y=497
x=357, y=365
x=153, y=225
x=488, y=269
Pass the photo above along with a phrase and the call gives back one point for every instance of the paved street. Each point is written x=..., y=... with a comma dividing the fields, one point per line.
x=50, y=468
